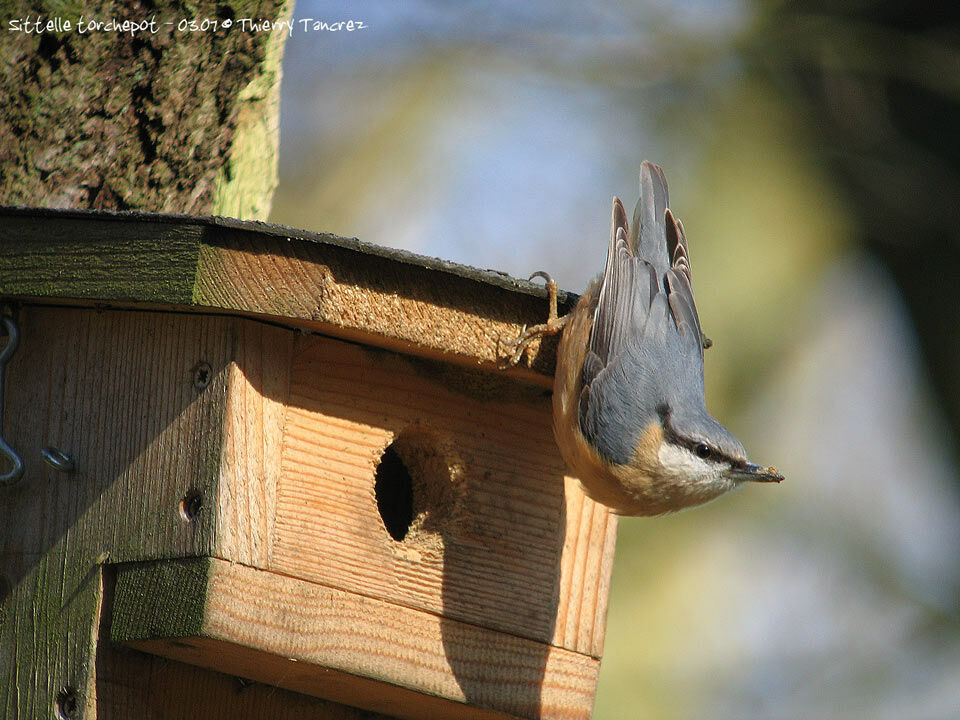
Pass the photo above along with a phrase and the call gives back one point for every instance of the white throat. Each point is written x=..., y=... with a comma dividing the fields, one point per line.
x=681, y=465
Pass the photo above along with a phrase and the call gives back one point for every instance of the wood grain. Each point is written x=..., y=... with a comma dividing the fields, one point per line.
x=114, y=390
x=502, y=538
x=335, y=644
x=330, y=288
x=315, y=281
x=133, y=684
x=494, y=600
x=97, y=259
x=258, y=385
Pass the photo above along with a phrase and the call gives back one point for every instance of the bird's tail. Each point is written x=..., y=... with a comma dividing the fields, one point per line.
x=648, y=236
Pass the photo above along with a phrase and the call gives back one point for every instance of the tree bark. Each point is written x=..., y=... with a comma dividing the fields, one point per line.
x=163, y=119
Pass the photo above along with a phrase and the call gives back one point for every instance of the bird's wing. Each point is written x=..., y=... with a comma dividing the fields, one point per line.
x=645, y=345
x=642, y=261
x=679, y=281
x=626, y=291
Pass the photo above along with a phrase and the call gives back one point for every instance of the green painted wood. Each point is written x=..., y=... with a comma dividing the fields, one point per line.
x=160, y=599
x=58, y=253
x=314, y=281
x=47, y=630
x=90, y=258
x=114, y=390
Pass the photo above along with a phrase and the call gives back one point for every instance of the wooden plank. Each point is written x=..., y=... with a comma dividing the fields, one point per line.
x=315, y=281
x=115, y=391
x=338, y=290
x=60, y=256
x=258, y=382
x=586, y=566
x=133, y=684
x=47, y=624
x=500, y=535
x=340, y=645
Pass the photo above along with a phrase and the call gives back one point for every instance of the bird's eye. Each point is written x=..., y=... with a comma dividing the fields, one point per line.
x=703, y=451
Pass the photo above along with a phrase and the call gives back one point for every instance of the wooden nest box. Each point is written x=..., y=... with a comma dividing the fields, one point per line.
x=296, y=463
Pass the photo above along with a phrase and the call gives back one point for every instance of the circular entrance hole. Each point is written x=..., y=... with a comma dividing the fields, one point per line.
x=419, y=485
x=394, y=491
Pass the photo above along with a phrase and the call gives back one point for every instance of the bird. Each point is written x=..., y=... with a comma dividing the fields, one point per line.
x=629, y=411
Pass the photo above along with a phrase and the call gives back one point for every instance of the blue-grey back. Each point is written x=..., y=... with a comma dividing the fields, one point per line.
x=645, y=360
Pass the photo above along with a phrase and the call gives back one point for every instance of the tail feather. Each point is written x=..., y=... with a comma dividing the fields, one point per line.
x=648, y=234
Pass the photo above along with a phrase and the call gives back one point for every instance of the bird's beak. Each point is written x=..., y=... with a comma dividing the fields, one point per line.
x=756, y=473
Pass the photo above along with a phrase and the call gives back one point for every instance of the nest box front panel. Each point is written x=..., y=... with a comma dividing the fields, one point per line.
x=407, y=481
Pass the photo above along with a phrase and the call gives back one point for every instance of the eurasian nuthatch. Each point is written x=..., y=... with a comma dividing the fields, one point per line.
x=629, y=413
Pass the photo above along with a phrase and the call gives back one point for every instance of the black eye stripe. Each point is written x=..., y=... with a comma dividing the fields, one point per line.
x=692, y=445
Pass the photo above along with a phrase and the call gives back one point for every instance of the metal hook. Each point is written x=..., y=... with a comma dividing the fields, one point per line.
x=13, y=339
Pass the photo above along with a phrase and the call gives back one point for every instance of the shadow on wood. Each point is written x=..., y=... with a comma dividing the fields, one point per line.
x=115, y=391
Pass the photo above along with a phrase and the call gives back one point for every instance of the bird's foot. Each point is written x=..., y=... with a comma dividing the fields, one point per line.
x=552, y=326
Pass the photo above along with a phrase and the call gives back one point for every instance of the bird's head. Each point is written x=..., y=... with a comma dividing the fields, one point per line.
x=695, y=458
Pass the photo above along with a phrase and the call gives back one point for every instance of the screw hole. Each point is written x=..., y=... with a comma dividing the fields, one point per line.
x=67, y=705
x=394, y=491
x=191, y=505
x=202, y=374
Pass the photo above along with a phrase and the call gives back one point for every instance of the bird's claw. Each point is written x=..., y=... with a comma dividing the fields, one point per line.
x=516, y=341
x=552, y=326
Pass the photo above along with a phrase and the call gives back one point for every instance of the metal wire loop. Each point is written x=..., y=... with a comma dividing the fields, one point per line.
x=13, y=339
x=58, y=459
